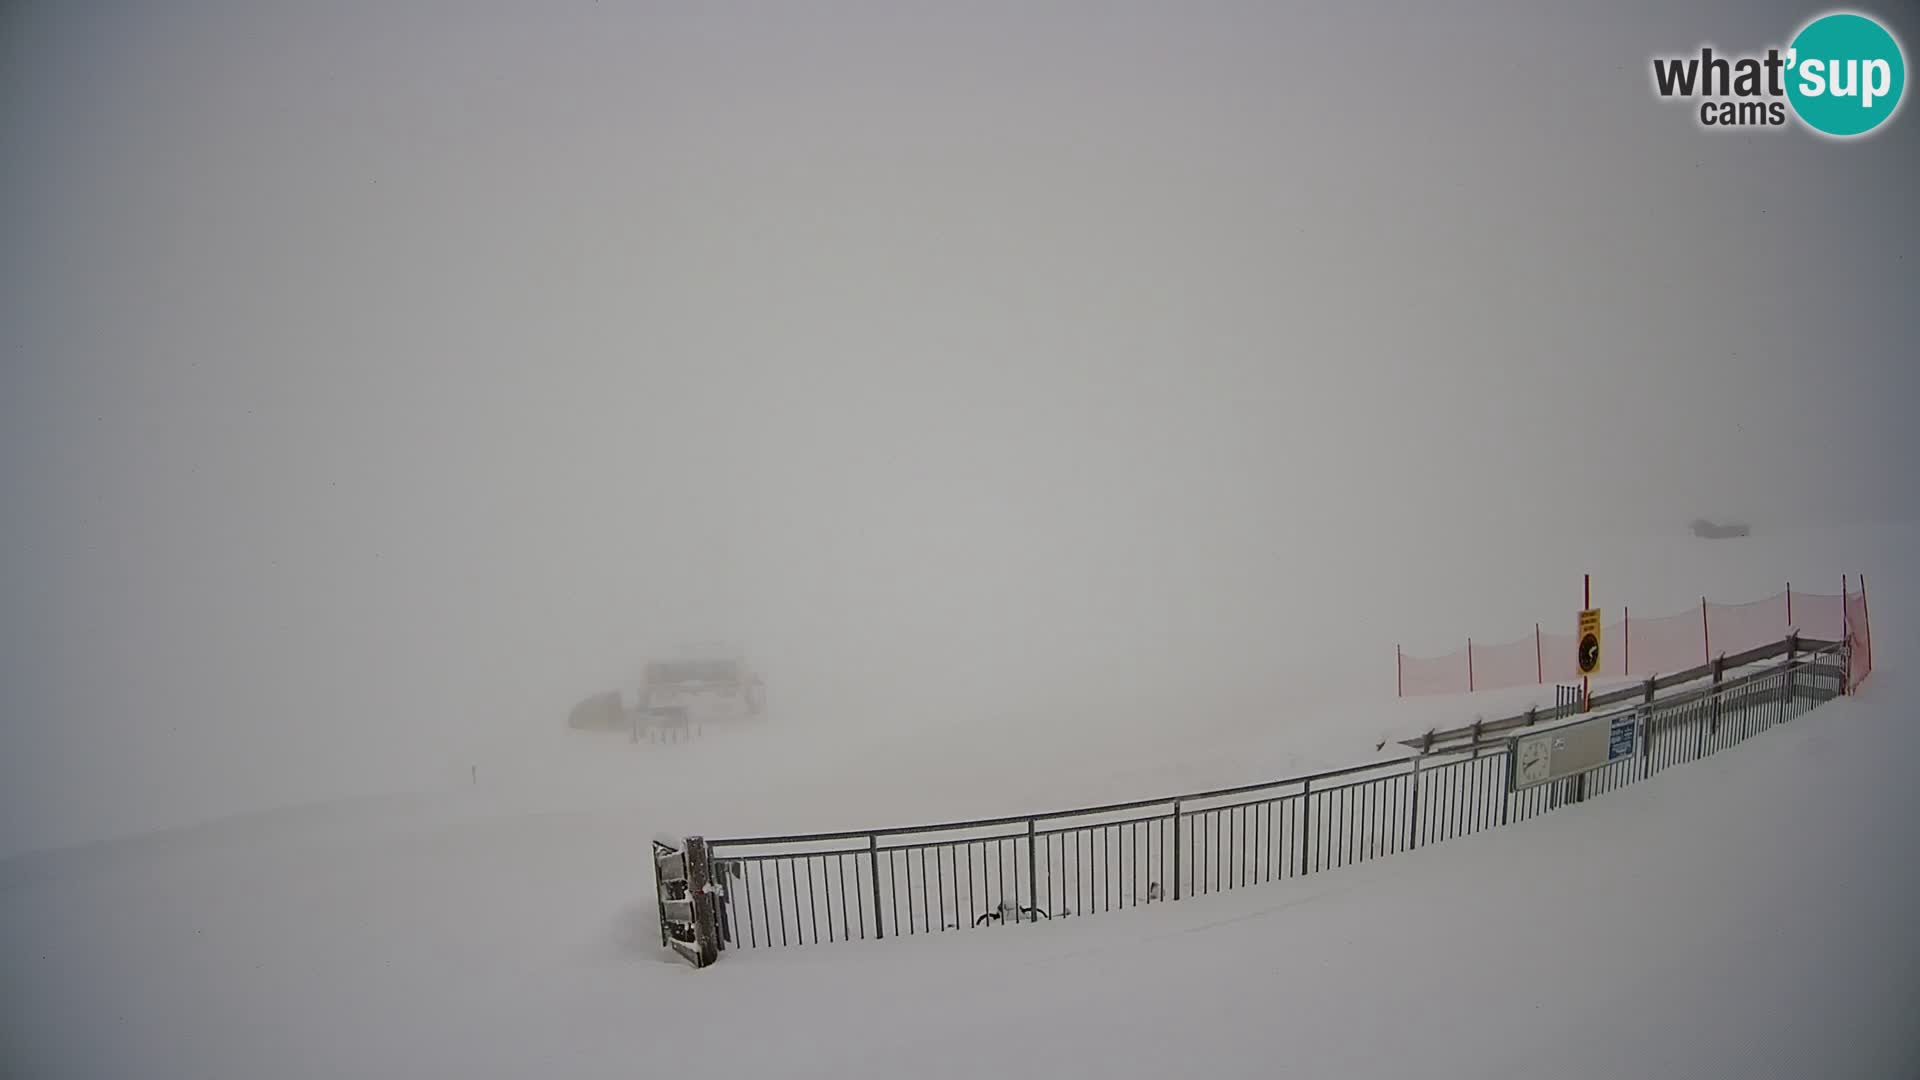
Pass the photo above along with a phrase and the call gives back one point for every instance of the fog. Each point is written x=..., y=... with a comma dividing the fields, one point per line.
x=380, y=380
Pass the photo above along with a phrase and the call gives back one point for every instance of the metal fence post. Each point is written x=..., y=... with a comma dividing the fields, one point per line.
x=1719, y=667
x=1506, y=780
x=1306, y=822
x=1176, y=849
x=1413, y=810
x=1788, y=690
x=873, y=871
x=1700, y=744
x=699, y=875
x=1033, y=874
x=1846, y=640
x=1646, y=745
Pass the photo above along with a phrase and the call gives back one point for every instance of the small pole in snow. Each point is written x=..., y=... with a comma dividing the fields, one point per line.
x=1846, y=639
x=1866, y=623
x=1586, y=586
x=1706, y=635
x=476, y=776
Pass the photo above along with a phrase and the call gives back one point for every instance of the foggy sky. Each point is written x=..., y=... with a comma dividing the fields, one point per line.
x=379, y=378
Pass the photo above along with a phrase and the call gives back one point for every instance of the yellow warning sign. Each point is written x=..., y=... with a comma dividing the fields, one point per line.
x=1589, y=639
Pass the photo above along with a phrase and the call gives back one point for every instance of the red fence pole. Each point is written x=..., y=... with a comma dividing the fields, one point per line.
x=1866, y=617
x=1586, y=602
x=1626, y=641
x=1846, y=681
x=1706, y=638
x=1399, y=678
x=1469, y=665
x=1539, y=668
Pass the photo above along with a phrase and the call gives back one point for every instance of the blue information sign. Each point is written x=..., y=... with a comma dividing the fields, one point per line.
x=1620, y=738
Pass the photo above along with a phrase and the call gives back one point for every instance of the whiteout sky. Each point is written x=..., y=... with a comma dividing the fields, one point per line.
x=378, y=380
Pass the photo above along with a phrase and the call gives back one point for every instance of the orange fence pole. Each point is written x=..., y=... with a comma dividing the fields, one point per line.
x=1866, y=617
x=1706, y=638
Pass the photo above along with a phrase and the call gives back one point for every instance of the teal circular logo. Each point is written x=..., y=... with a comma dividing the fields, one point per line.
x=1845, y=74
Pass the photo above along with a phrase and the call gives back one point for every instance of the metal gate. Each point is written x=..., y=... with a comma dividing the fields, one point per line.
x=687, y=898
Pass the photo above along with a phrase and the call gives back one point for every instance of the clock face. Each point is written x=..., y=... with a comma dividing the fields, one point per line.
x=1535, y=757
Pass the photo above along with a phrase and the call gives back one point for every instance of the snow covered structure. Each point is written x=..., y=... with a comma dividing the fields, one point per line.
x=703, y=685
x=712, y=683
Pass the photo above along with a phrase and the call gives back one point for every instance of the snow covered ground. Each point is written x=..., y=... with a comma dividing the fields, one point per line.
x=1744, y=913
x=1750, y=912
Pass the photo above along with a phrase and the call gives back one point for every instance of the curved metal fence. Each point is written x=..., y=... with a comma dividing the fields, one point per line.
x=776, y=891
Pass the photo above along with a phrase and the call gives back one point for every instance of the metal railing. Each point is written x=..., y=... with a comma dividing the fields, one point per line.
x=907, y=881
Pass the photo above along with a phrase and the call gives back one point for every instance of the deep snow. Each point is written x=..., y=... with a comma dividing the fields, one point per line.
x=1747, y=912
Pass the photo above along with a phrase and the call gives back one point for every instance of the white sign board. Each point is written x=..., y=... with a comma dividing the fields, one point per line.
x=1571, y=749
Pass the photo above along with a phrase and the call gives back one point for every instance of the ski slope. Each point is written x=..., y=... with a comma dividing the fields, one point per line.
x=818, y=772
x=1742, y=913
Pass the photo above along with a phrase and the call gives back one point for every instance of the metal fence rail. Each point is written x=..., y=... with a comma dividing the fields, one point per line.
x=827, y=887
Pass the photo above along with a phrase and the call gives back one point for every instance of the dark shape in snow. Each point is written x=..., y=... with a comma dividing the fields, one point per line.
x=601, y=712
x=1707, y=530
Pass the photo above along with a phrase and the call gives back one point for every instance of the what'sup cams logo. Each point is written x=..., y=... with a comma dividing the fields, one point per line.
x=1842, y=75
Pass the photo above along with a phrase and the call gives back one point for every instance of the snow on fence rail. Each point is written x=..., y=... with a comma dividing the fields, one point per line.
x=1641, y=646
x=806, y=889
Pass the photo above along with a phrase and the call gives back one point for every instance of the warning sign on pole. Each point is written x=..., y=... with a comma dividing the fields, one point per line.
x=1589, y=638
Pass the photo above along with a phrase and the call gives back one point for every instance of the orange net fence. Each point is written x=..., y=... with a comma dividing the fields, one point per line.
x=1641, y=646
x=1860, y=628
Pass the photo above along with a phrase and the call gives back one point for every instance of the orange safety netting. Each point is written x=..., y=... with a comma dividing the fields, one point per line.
x=1735, y=628
x=1669, y=643
x=1643, y=647
x=1860, y=632
x=1515, y=663
x=1421, y=675
x=1819, y=615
